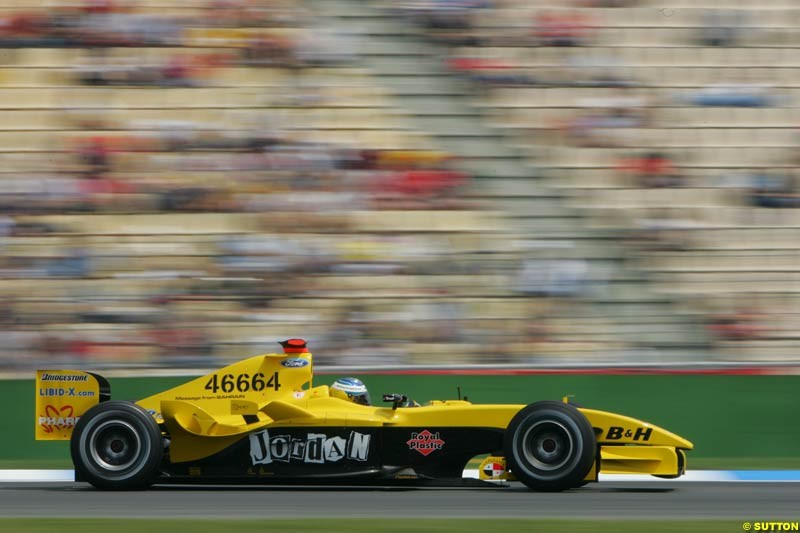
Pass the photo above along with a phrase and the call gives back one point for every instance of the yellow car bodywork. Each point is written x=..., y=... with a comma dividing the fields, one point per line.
x=209, y=414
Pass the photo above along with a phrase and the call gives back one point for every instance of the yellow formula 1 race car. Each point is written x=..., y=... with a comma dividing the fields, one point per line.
x=262, y=421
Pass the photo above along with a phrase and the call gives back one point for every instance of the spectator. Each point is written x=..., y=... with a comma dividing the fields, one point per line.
x=26, y=28
x=95, y=155
x=7, y=227
x=75, y=263
x=553, y=275
x=663, y=230
x=492, y=72
x=773, y=190
x=571, y=28
x=722, y=27
x=416, y=188
x=595, y=70
x=652, y=169
x=734, y=95
x=740, y=325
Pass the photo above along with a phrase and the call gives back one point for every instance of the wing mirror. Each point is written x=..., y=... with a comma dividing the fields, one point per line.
x=397, y=400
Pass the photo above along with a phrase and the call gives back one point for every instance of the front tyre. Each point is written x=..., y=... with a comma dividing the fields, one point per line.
x=550, y=446
x=117, y=446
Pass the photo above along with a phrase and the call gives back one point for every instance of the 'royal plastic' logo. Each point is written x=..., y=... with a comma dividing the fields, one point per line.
x=425, y=442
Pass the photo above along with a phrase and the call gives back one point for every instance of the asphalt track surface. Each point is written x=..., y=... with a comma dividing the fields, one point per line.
x=745, y=501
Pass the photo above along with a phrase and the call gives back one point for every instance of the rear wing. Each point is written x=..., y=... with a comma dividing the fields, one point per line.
x=62, y=396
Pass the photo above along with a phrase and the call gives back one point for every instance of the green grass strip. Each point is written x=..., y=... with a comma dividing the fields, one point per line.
x=357, y=525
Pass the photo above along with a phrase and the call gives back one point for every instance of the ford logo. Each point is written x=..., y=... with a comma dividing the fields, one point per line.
x=294, y=362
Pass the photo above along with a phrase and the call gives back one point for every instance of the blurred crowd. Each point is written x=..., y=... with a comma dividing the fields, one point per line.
x=510, y=52
x=150, y=236
x=93, y=270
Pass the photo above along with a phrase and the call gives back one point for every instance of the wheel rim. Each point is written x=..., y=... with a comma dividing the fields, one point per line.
x=115, y=445
x=547, y=445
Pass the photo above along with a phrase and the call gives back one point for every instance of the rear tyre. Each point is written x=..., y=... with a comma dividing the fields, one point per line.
x=117, y=446
x=550, y=446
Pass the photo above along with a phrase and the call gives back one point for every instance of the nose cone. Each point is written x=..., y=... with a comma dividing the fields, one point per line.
x=612, y=428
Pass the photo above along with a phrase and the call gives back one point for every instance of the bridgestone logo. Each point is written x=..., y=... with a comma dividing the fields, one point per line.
x=59, y=377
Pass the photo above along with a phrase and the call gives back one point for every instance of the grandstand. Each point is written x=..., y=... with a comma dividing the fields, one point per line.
x=193, y=190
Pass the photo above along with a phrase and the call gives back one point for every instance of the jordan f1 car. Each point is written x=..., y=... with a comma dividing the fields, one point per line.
x=262, y=421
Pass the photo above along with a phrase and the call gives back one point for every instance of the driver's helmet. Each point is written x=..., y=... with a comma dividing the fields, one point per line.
x=352, y=389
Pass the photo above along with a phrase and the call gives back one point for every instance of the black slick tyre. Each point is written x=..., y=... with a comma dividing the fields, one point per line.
x=117, y=446
x=550, y=446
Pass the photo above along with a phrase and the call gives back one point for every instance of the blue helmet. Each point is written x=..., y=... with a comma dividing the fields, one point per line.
x=352, y=389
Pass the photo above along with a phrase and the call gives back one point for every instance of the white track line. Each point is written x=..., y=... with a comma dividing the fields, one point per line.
x=33, y=476
x=45, y=476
